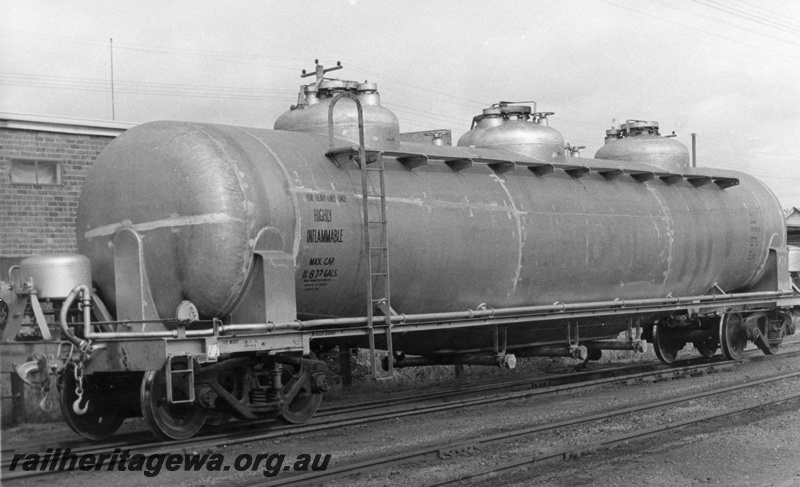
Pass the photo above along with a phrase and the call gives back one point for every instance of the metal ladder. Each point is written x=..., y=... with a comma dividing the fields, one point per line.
x=378, y=296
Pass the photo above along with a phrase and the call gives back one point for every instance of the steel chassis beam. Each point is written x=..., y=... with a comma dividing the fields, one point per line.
x=116, y=352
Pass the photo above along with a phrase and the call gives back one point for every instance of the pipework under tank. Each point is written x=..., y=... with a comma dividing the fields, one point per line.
x=381, y=127
x=517, y=128
x=638, y=140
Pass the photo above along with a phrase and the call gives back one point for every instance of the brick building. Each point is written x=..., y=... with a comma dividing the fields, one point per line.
x=43, y=163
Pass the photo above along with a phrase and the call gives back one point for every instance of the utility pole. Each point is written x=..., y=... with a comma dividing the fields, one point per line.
x=694, y=149
x=111, y=47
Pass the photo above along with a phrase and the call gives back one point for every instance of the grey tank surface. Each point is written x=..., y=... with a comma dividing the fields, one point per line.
x=199, y=195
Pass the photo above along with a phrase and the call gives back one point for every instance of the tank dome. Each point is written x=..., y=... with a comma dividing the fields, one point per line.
x=516, y=128
x=381, y=128
x=640, y=141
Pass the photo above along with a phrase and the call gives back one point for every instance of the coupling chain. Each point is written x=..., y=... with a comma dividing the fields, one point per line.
x=78, y=372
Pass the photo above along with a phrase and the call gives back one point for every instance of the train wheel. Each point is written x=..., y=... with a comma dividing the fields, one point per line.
x=305, y=404
x=665, y=344
x=732, y=337
x=707, y=348
x=168, y=421
x=98, y=422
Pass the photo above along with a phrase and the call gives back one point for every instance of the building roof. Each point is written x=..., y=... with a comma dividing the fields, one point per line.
x=63, y=125
x=792, y=217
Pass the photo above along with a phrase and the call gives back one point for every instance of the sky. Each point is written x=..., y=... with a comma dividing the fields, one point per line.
x=727, y=71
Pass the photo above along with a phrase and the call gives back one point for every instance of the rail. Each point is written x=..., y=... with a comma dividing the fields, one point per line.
x=474, y=316
x=370, y=412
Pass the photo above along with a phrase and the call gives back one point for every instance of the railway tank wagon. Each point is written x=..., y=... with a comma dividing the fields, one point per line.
x=223, y=257
x=462, y=238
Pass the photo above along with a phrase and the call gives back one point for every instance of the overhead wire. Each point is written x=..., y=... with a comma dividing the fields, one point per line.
x=734, y=25
x=747, y=16
x=207, y=91
x=252, y=59
x=417, y=87
x=228, y=56
x=713, y=34
x=216, y=91
x=149, y=88
x=75, y=79
x=738, y=165
x=765, y=13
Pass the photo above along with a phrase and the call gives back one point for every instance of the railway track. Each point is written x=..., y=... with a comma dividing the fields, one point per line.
x=470, y=446
x=374, y=411
x=145, y=438
x=574, y=451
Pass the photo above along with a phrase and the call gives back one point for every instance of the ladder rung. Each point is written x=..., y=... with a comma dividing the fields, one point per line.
x=383, y=246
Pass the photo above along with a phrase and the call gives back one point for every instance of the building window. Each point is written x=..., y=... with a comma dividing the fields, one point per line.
x=26, y=171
